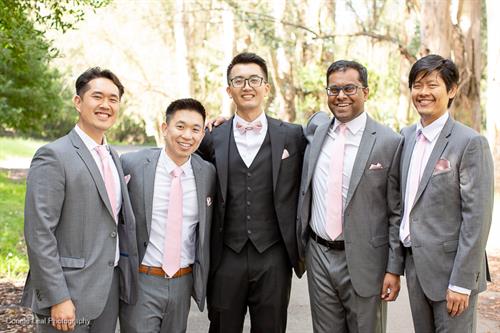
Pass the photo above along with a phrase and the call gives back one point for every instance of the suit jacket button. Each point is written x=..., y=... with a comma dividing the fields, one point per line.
x=112, y=234
x=111, y=263
x=145, y=244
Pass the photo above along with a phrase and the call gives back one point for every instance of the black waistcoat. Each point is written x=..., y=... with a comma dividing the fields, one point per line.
x=250, y=210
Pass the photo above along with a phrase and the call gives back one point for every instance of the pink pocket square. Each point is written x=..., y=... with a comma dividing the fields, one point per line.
x=377, y=166
x=285, y=154
x=442, y=165
x=127, y=179
x=209, y=201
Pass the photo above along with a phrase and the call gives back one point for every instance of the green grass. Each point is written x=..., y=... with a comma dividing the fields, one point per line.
x=18, y=147
x=13, y=259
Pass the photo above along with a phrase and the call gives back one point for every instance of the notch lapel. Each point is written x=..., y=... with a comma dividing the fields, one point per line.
x=221, y=139
x=365, y=148
x=277, y=136
x=89, y=162
x=409, y=144
x=149, y=174
x=201, y=195
x=442, y=142
x=315, y=150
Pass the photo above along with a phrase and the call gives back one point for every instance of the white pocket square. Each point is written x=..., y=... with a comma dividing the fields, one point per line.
x=285, y=154
x=376, y=166
x=127, y=179
x=209, y=201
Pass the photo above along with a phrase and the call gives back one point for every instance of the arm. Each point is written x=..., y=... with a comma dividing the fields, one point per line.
x=313, y=122
x=206, y=149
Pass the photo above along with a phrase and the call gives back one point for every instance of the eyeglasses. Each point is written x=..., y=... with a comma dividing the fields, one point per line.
x=348, y=90
x=254, y=81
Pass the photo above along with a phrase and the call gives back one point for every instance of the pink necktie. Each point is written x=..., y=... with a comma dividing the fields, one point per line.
x=173, y=230
x=107, y=174
x=255, y=126
x=334, y=194
x=415, y=174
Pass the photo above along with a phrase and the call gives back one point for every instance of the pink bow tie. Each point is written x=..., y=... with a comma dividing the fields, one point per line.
x=243, y=128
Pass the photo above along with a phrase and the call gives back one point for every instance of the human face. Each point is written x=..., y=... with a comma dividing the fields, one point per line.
x=430, y=97
x=98, y=107
x=183, y=134
x=248, y=100
x=346, y=108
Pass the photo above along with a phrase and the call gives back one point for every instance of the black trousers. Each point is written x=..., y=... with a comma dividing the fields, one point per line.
x=259, y=281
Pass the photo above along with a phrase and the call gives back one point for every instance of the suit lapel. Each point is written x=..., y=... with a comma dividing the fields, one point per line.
x=89, y=162
x=409, y=144
x=277, y=136
x=149, y=173
x=221, y=139
x=201, y=194
x=441, y=143
x=315, y=150
x=365, y=148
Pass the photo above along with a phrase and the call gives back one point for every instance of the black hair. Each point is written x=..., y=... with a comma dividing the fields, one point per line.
x=247, y=58
x=343, y=65
x=184, y=104
x=90, y=74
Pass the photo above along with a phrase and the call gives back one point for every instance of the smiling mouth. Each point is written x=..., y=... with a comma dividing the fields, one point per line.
x=103, y=115
x=185, y=145
x=425, y=102
x=342, y=105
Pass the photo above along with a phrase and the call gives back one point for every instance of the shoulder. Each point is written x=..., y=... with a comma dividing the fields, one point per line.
x=386, y=132
x=135, y=157
x=206, y=166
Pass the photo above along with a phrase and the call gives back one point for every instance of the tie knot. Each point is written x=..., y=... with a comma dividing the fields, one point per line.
x=177, y=172
x=421, y=137
x=255, y=126
x=342, y=128
x=102, y=151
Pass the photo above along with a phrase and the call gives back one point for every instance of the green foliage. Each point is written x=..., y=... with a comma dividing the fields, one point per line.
x=32, y=95
x=13, y=259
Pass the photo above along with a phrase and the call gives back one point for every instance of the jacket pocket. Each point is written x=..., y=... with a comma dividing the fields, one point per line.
x=69, y=262
x=450, y=246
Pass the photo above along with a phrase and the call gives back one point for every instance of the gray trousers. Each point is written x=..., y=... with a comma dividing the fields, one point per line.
x=106, y=322
x=162, y=305
x=335, y=305
x=431, y=316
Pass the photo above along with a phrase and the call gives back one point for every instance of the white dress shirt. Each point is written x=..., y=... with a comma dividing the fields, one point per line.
x=353, y=134
x=190, y=217
x=431, y=133
x=249, y=143
x=91, y=144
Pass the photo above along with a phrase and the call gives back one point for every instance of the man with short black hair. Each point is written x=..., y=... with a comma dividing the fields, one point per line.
x=447, y=195
x=254, y=245
x=172, y=193
x=79, y=226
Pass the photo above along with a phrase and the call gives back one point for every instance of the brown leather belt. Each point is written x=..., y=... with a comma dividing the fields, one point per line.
x=158, y=271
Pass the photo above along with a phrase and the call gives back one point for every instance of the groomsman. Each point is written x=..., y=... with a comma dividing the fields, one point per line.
x=349, y=210
x=447, y=195
x=172, y=193
x=78, y=221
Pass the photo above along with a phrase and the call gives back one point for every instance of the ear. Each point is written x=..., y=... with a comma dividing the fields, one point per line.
x=267, y=89
x=366, y=92
x=228, y=90
x=77, y=102
x=164, y=128
x=453, y=91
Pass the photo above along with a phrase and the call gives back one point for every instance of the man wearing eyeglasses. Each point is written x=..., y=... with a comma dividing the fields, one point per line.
x=349, y=211
x=254, y=245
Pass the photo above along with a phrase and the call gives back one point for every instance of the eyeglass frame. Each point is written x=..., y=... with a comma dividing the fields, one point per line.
x=247, y=81
x=342, y=88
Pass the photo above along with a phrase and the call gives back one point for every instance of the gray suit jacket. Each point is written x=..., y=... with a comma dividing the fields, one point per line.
x=451, y=216
x=372, y=212
x=141, y=166
x=71, y=233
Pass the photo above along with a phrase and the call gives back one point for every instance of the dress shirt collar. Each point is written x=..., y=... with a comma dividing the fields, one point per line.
x=88, y=141
x=166, y=162
x=431, y=131
x=354, y=126
x=262, y=117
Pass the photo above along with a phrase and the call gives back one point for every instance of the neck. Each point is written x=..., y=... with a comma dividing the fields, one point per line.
x=249, y=115
x=177, y=160
x=427, y=120
x=97, y=136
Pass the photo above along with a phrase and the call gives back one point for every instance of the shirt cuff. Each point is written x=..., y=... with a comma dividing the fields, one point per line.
x=459, y=289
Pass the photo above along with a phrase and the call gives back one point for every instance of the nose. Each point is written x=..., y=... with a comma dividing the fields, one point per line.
x=105, y=103
x=187, y=134
x=341, y=94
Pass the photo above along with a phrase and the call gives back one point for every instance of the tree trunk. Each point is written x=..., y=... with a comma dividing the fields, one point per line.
x=183, y=78
x=435, y=31
x=493, y=90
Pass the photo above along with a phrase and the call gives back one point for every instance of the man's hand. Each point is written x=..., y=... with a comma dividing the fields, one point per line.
x=456, y=303
x=390, y=288
x=211, y=123
x=63, y=316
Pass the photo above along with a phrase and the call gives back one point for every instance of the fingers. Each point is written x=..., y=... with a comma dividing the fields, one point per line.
x=390, y=287
x=63, y=316
x=456, y=303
